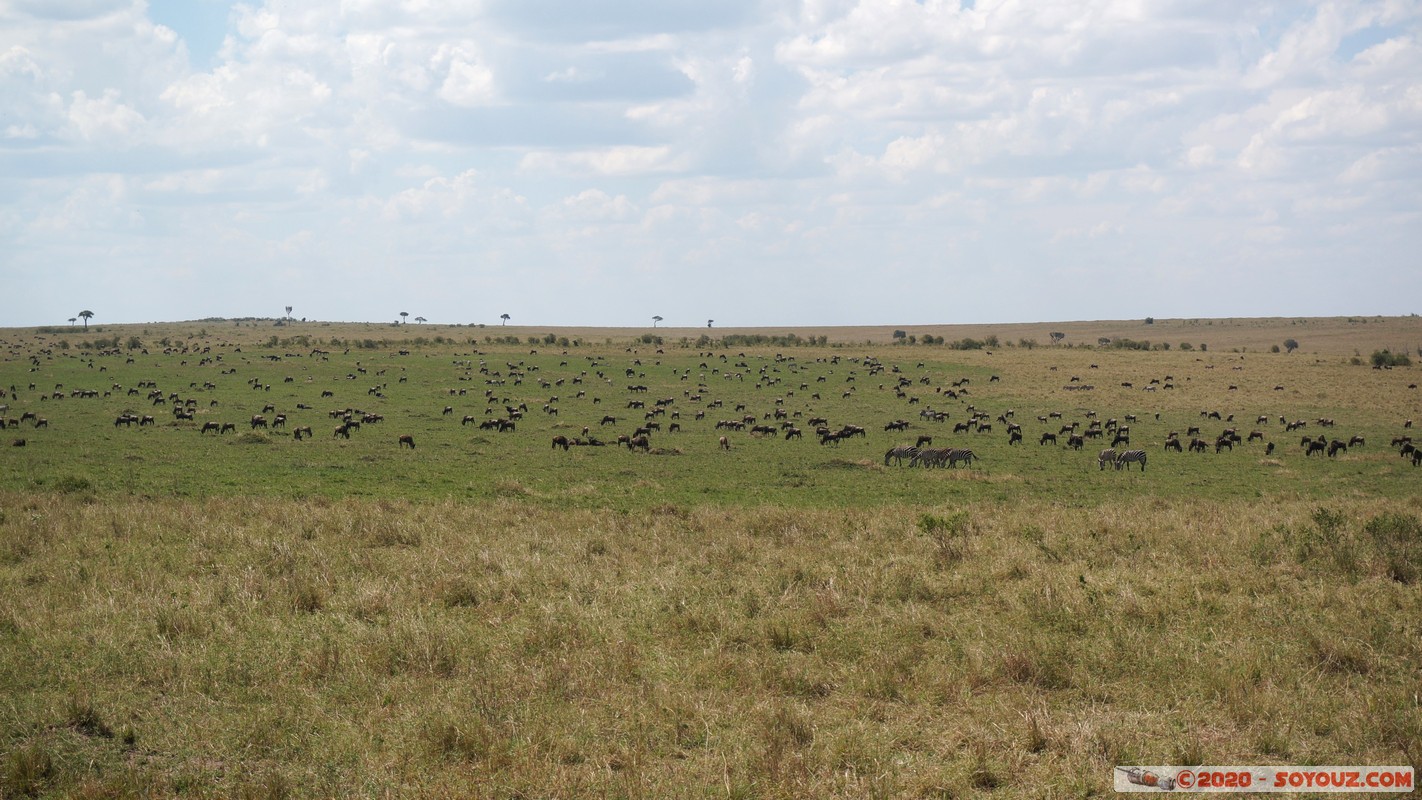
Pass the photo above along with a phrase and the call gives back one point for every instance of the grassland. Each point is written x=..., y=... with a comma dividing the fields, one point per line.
x=484, y=615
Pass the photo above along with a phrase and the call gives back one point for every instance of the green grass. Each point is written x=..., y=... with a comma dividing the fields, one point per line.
x=82, y=451
x=248, y=615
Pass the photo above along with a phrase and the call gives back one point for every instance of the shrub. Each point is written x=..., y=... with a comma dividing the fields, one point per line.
x=1387, y=358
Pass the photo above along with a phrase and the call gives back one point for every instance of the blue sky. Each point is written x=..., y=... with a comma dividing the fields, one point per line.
x=759, y=162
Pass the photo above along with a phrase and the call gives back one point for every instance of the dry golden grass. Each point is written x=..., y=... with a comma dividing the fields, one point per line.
x=233, y=647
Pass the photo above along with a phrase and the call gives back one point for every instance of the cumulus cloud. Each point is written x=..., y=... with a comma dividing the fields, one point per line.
x=792, y=141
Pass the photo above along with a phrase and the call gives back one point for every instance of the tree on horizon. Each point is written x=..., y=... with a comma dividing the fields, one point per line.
x=505, y=318
x=403, y=315
x=86, y=315
x=420, y=320
x=655, y=320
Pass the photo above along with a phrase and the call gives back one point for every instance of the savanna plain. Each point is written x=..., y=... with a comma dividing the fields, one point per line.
x=433, y=595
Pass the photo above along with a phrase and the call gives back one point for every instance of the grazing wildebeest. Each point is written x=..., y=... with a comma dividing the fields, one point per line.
x=725, y=443
x=406, y=440
x=1269, y=449
x=1222, y=443
x=1335, y=447
x=304, y=430
x=209, y=426
x=258, y=421
x=1076, y=441
x=228, y=427
x=1356, y=441
x=1173, y=444
x=560, y=441
x=923, y=440
x=1314, y=446
x=1048, y=437
x=343, y=431
x=18, y=443
x=1014, y=437
x=641, y=442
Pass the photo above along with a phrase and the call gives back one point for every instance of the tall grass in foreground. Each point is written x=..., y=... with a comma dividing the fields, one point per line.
x=268, y=648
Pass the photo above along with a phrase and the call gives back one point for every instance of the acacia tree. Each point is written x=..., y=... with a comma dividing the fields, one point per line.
x=420, y=320
x=403, y=315
x=1291, y=345
x=1056, y=336
x=505, y=318
x=86, y=315
x=655, y=320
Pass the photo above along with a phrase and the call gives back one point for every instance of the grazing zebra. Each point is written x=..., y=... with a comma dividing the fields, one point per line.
x=1104, y=457
x=960, y=454
x=1128, y=456
x=930, y=457
x=900, y=453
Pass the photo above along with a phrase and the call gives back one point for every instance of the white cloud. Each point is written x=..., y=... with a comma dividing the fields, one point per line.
x=784, y=141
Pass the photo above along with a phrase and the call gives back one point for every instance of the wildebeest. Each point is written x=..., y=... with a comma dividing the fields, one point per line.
x=209, y=426
x=406, y=440
x=299, y=432
x=725, y=443
x=560, y=441
x=640, y=442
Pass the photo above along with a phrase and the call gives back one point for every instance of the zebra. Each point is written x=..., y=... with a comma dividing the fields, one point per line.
x=1127, y=456
x=960, y=454
x=900, y=453
x=930, y=457
x=1105, y=456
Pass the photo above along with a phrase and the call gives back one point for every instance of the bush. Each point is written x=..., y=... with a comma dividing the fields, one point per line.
x=1387, y=358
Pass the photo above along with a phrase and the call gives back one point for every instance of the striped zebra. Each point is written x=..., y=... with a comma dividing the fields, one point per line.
x=930, y=457
x=900, y=453
x=1104, y=457
x=1127, y=456
x=960, y=454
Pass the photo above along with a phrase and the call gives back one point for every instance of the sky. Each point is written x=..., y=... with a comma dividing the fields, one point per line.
x=752, y=162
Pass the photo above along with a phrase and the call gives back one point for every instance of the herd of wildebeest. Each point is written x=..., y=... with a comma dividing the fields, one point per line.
x=775, y=396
